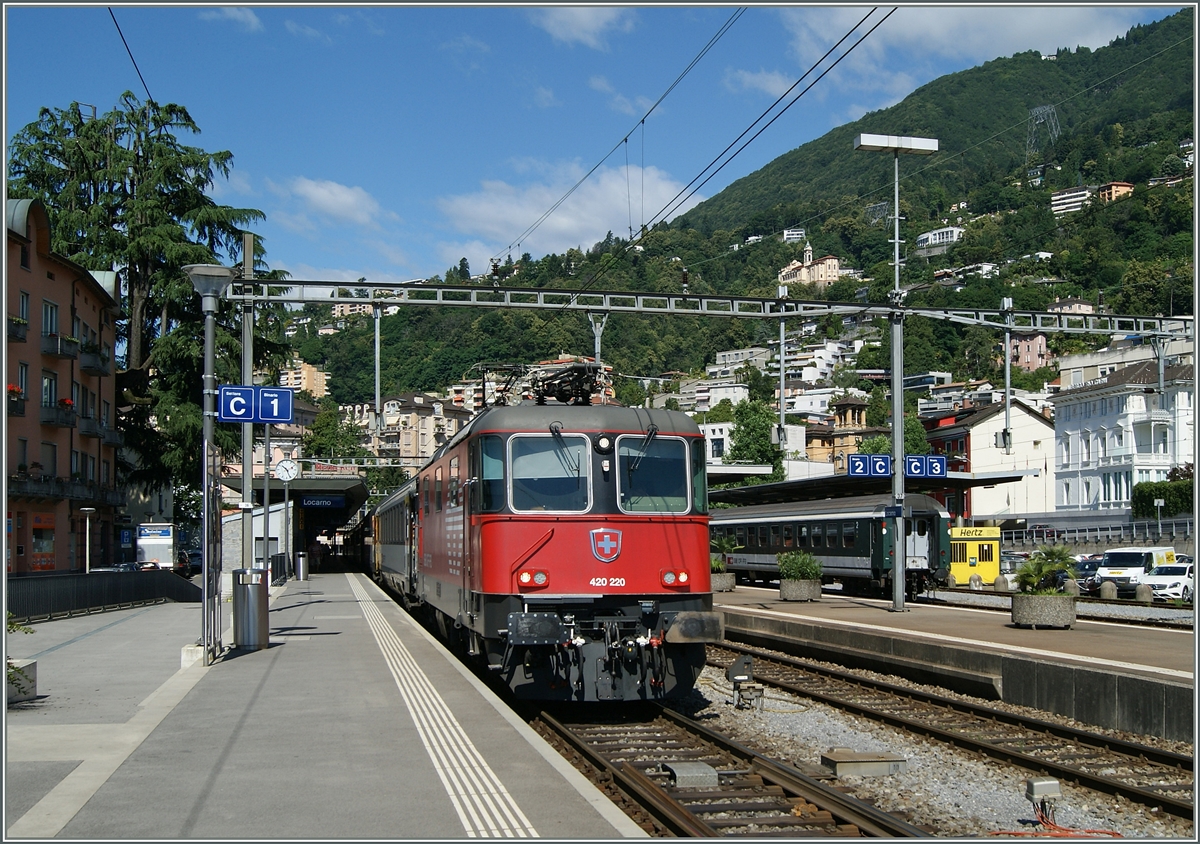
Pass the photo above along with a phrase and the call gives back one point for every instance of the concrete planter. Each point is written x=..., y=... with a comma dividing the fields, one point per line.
x=1043, y=610
x=28, y=689
x=723, y=581
x=799, y=590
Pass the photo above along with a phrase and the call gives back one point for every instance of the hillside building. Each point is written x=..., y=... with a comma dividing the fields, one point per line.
x=938, y=241
x=305, y=376
x=821, y=272
x=1071, y=199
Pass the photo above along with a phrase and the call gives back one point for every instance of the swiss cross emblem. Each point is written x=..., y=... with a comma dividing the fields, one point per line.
x=606, y=544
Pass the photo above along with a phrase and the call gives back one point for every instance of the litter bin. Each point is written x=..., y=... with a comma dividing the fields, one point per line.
x=250, y=620
x=302, y=565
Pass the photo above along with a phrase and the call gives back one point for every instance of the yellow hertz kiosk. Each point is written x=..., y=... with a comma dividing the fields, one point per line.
x=974, y=550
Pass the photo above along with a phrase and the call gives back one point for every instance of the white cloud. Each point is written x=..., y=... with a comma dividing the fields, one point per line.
x=495, y=214
x=586, y=25
x=617, y=101
x=235, y=183
x=543, y=97
x=935, y=40
x=466, y=44
x=337, y=202
x=238, y=14
x=772, y=82
x=304, y=31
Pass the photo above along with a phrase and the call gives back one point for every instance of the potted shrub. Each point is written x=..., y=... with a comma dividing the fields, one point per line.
x=723, y=580
x=1044, y=599
x=799, y=576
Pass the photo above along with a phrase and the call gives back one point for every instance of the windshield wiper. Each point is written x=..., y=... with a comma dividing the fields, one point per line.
x=651, y=432
x=564, y=454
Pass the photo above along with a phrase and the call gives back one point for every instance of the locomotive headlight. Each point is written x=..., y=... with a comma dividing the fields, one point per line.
x=668, y=578
x=605, y=465
x=533, y=577
x=683, y=577
x=525, y=578
x=603, y=444
x=540, y=578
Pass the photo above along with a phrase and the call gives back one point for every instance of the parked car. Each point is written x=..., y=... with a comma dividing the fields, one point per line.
x=1174, y=582
x=1085, y=573
x=195, y=561
x=1044, y=531
x=117, y=567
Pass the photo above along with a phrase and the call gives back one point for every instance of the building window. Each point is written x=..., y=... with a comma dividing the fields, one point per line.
x=1066, y=492
x=25, y=256
x=718, y=447
x=49, y=318
x=23, y=310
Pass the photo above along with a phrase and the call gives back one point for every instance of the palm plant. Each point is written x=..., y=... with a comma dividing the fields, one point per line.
x=1046, y=570
x=723, y=547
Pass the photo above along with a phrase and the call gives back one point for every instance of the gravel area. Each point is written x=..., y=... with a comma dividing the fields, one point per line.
x=956, y=793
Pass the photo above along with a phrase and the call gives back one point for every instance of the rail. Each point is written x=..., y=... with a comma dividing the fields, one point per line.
x=47, y=596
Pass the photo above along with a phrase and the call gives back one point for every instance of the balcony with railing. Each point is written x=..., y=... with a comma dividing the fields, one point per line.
x=89, y=426
x=23, y=485
x=16, y=405
x=57, y=346
x=59, y=415
x=111, y=436
x=17, y=329
x=92, y=362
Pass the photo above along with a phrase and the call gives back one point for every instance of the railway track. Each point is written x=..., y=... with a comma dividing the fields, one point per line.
x=1141, y=774
x=688, y=781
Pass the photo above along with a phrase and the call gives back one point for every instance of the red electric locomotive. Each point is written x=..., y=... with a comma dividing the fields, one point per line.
x=566, y=546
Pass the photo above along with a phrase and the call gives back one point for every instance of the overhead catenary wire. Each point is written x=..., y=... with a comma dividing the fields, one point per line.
x=692, y=186
x=696, y=60
x=146, y=87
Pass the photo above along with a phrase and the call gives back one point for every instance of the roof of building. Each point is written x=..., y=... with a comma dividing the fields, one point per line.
x=969, y=417
x=1138, y=374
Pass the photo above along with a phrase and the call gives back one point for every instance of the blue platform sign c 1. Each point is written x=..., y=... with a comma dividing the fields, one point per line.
x=256, y=405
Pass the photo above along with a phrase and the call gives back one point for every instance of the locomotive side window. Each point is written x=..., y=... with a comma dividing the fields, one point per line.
x=490, y=471
x=818, y=536
x=699, y=478
x=787, y=536
x=437, y=489
x=425, y=489
x=652, y=474
x=452, y=491
x=741, y=535
x=775, y=537
x=849, y=534
x=801, y=536
x=550, y=473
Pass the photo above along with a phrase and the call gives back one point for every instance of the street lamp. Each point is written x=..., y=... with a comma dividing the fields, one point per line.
x=87, y=539
x=897, y=145
x=210, y=282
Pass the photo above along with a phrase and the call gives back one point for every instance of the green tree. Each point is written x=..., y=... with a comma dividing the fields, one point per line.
x=760, y=385
x=751, y=437
x=123, y=192
x=464, y=269
x=878, y=407
x=331, y=435
x=914, y=440
x=721, y=412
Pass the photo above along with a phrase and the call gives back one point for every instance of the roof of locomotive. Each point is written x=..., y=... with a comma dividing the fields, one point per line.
x=609, y=418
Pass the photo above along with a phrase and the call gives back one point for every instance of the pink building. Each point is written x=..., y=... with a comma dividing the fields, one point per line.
x=62, y=439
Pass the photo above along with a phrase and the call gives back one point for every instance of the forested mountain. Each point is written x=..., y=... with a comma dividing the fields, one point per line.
x=1124, y=111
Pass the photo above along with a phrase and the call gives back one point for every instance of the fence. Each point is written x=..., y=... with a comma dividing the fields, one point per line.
x=1135, y=533
x=43, y=597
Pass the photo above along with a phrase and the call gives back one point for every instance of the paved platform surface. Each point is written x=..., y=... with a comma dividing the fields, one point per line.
x=353, y=724
x=1143, y=650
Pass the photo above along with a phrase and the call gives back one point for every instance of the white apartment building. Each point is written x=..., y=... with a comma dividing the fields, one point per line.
x=730, y=362
x=793, y=235
x=1118, y=430
x=939, y=240
x=1071, y=199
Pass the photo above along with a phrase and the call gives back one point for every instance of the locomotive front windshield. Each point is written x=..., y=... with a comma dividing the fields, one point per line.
x=550, y=472
x=652, y=475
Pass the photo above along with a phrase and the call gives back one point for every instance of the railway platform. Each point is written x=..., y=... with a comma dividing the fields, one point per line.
x=1119, y=676
x=354, y=723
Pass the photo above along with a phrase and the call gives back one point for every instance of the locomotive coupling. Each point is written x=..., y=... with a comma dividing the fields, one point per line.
x=688, y=627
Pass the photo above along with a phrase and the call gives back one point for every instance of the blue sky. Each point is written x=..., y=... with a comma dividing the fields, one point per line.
x=391, y=141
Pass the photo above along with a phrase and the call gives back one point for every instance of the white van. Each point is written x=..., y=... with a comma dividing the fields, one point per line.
x=1126, y=566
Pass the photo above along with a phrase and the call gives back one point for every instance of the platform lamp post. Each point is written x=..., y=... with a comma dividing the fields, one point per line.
x=897, y=146
x=210, y=282
x=87, y=538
